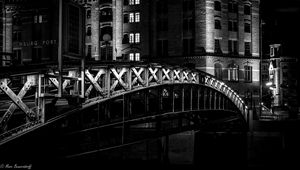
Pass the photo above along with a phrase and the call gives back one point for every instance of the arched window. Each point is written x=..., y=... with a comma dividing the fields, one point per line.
x=218, y=71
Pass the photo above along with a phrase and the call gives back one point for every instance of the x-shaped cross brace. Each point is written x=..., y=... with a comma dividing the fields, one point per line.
x=153, y=74
x=119, y=80
x=138, y=76
x=94, y=81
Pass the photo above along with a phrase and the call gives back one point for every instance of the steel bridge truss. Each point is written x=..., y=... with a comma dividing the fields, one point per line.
x=90, y=86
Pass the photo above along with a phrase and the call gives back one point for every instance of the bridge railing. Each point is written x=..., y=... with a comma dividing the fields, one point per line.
x=97, y=81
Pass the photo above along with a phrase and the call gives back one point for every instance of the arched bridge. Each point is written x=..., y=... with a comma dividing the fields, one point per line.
x=115, y=96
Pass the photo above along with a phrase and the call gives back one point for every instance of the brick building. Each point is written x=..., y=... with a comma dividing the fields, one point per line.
x=220, y=37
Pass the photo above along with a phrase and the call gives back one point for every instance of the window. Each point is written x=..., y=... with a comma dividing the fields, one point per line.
x=89, y=31
x=125, y=39
x=232, y=47
x=126, y=18
x=188, y=47
x=232, y=26
x=247, y=49
x=137, y=38
x=137, y=17
x=131, y=17
x=247, y=28
x=133, y=38
x=126, y=2
x=217, y=46
x=247, y=9
x=162, y=48
x=134, y=56
x=218, y=71
x=133, y=2
x=233, y=71
x=232, y=7
x=131, y=57
x=248, y=74
x=217, y=5
x=88, y=14
x=137, y=56
x=218, y=24
x=38, y=19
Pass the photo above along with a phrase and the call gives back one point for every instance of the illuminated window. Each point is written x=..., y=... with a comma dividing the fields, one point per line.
x=131, y=57
x=131, y=38
x=233, y=71
x=137, y=17
x=137, y=38
x=137, y=56
x=134, y=38
x=134, y=56
x=218, y=71
x=38, y=19
x=133, y=2
x=131, y=17
x=248, y=74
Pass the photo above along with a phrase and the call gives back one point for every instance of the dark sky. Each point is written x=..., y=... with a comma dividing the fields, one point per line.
x=282, y=25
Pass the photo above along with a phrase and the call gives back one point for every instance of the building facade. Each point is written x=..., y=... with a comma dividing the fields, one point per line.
x=282, y=79
x=220, y=37
x=99, y=29
x=30, y=31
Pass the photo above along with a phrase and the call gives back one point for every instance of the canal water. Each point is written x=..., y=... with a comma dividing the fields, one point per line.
x=192, y=149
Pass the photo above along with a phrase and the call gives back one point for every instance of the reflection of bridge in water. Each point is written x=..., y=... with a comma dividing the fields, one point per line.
x=104, y=106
